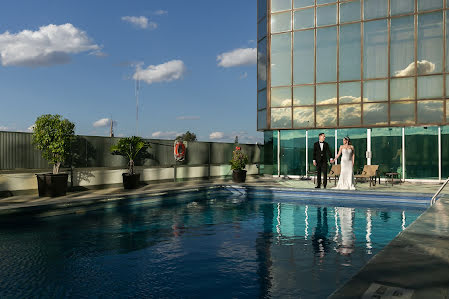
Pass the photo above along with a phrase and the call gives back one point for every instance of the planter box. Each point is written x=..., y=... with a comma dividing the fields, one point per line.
x=53, y=185
x=131, y=181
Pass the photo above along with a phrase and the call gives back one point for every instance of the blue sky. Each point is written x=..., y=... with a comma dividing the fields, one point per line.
x=195, y=61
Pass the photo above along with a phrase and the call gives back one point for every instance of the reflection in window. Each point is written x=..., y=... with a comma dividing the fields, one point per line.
x=262, y=29
x=373, y=9
x=261, y=9
x=350, y=52
x=304, y=18
x=386, y=144
x=262, y=64
x=350, y=11
x=303, y=117
x=429, y=4
x=303, y=95
x=326, y=15
x=402, y=89
x=262, y=99
x=447, y=39
x=402, y=47
x=262, y=119
x=447, y=110
x=421, y=152
x=281, y=118
x=375, y=114
x=430, y=112
x=375, y=50
x=303, y=3
x=281, y=97
x=280, y=59
x=326, y=54
x=375, y=91
x=281, y=22
x=350, y=115
x=326, y=116
x=326, y=94
x=399, y=7
x=430, y=43
x=303, y=56
x=402, y=113
x=279, y=5
x=430, y=87
x=349, y=92
x=325, y=1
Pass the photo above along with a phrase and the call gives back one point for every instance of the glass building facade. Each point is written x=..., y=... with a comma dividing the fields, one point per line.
x=376, y=70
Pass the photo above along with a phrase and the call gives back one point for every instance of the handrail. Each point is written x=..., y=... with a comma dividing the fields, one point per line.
x=432, y=201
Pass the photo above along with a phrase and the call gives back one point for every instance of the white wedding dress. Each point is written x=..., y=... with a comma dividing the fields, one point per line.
x=346, y=180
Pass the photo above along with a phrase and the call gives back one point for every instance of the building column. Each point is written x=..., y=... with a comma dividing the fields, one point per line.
x=403, y=154
x=368, y=146
x=307, y=152
x=279, y=153
x=439, y=153
x=335, y=147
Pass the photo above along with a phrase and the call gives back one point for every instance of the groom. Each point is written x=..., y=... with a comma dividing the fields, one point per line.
x=321, y=153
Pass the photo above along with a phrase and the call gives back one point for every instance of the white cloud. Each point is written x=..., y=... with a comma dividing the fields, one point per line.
x=238, y=57
x=141, y=22
x=31, y=128
x=424, y=67
x=49, y=45
x=188, y=117
x=160, y=12
x=243, y=137
x=216, y=135
x=165, y=135
x=104, y=122
x=4, y=128
x=165, y=72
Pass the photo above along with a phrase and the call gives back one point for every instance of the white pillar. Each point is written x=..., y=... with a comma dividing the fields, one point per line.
x=336, y=144
x=368, y=146
x=403, y=154
x=307, y=152
x=439, y=153
x=279, y=153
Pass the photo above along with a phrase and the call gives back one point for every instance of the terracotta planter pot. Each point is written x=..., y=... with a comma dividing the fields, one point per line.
x=53, y=185
x=239, y=176
x=131, y=181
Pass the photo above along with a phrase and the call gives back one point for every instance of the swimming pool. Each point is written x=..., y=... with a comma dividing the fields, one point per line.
x=222, y=242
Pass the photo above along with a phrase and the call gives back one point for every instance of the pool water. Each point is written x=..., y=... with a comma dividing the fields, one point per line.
x=211, y=244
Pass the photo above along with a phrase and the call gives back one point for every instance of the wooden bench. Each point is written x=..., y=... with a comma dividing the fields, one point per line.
x=369, y=172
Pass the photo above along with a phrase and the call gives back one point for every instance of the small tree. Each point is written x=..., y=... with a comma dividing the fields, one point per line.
x=187, y=136
x=53, y=136
x=239, y=159
x=129, y=147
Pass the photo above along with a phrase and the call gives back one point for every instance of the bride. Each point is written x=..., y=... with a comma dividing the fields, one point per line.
x=346, y=180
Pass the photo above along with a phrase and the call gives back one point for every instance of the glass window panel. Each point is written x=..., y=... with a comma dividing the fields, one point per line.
x=429, y=4
x=373, y=9
x=350, y=11
x=281, y=97
x=445, y=153
x=262, y=99
x=324, y=1
x=350, y=115
x=262, y=64
x=303, y=117
x=402, y=47
x=430, y=112
x=375, y=91
x=262, y=29
x=447, y=111
x=281, y=22
x=350, y=92
x=430, y=87
x=303, y=95
x=326, y=54
x=303, y=3
x=375, y=114
x=261, y=9
x=279, y=5
x=350, y=51
x=281, y=118
x=281, y=59
x=262, y=119
x=293, y=149
x=326, y=94
x=375, y=49
x=304, y=18
x=386, y=146
x=421, y=152
x=402, y=113
x=326, y=116
x=303, y=56
x=266, y=153
x=399, y=7
x=447, y=86
x=430, y=43
x=447, y=40
x=326, y=15
x=402, y=89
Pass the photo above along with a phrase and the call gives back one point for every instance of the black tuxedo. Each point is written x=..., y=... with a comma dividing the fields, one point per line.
x=321, y=157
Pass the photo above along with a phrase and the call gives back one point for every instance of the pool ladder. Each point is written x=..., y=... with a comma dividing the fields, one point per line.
x=434, y=198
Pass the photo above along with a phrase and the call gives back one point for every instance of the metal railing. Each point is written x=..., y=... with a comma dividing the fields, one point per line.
x=434, y=198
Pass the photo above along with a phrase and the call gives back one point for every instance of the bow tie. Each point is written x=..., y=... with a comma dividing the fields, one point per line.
x=321, y=141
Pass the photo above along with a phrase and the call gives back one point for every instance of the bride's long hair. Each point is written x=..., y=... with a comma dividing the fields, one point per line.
x=348, y=139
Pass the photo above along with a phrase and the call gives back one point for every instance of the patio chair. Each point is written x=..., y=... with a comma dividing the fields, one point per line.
x=369, y=172
x=334, y=173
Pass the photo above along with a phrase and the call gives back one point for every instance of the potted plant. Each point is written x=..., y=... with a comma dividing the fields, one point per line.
x=53, y=136
x=129, y=147
x=238, y=163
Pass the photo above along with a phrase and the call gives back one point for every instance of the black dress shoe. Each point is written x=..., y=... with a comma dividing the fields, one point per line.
x=317, y=187
x=324, y=187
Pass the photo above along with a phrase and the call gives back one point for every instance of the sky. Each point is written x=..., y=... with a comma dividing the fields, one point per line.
x=195, y=62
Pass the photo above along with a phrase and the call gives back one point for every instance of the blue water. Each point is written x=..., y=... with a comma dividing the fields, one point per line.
x=195, y=245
